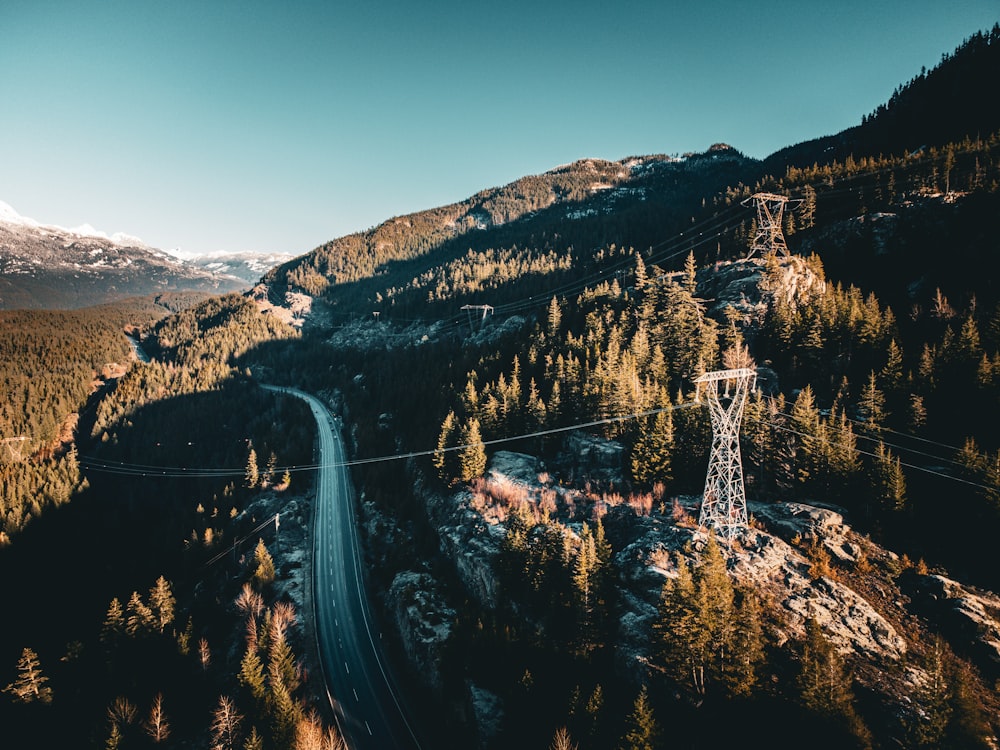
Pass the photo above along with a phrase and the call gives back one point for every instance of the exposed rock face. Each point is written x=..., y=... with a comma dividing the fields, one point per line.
x=791, y=520
x=778, y=571
x=969, y=618
x=588, y=456
x=518, y=468
x=487, y=710
x=468, y=541
x=289, y=546
x=741, y=284
x=424, y=621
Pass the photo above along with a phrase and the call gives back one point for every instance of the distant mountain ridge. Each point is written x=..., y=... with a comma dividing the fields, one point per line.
x=44, y=266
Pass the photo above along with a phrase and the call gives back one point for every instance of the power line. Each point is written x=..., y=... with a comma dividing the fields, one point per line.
x=925, y=469
x=236, y=542
x=146, y=470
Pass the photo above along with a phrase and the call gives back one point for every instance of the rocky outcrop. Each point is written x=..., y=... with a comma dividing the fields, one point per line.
x=742, y=285
x=969, y=619
x=519, y=468
x=424, y=621
x=487, y=711
x=467, y=540
x=590, y=457
x=790, y=521
x=778, y=571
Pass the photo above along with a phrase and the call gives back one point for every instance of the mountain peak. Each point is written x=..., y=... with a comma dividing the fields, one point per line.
x=9, y=216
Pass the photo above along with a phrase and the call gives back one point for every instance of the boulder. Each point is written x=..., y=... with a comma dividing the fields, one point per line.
x=591, y=456
x=514, y=467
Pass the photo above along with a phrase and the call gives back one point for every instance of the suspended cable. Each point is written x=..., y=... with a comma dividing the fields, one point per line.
x=144, y=470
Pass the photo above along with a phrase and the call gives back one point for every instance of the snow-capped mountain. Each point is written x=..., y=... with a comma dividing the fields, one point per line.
x=47, y=266
x=247, y=266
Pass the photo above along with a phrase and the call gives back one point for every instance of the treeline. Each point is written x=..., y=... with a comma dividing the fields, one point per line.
x=51, y=361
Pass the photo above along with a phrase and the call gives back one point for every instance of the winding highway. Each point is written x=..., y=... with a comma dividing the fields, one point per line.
x=359, y=686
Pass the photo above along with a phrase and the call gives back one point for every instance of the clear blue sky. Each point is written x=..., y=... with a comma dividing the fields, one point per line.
x=275, y=126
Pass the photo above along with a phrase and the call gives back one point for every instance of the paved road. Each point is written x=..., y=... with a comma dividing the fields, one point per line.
x=361, y=692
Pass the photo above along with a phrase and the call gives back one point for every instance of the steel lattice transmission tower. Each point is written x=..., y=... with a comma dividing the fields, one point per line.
x=769, y=237
x=724, y=506
x=485, y=309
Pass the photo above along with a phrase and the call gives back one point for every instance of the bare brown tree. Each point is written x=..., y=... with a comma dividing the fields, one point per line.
x=249, y=601
x=310, y=734
x=225, y=727
x=121, y=712
x=156, y=725
x=562, y=741
x=204, y=654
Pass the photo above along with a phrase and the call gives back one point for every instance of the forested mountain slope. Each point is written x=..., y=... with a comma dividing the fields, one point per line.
x=949, y=103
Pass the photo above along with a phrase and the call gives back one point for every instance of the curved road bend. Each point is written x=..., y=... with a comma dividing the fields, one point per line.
x=365, y=701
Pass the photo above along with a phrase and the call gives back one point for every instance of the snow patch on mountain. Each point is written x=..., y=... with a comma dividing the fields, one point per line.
x=8, y=215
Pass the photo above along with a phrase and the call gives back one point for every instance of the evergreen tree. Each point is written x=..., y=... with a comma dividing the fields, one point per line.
x=747, y=651
x=804, y=440
x=807, y=212
x=162, y=603
x=642, y=731
x=891, y=375
x=441, y=456
x=888, y=481
x=554, y=318
x=472, y=457
x=927, y=727
x=586, y=582
x=251, y=476
x=680, y=638
x=30, y=685
x=594, y=707
x=715, y=603
x=139, y=618
x=651, y=454
x=264, y=573
x=561, y=740
x=825, y=685
x=114, y=623
x=114, y=740
x=252, y=673
x=641, y=278
x=253, y=741
x=872, y=405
